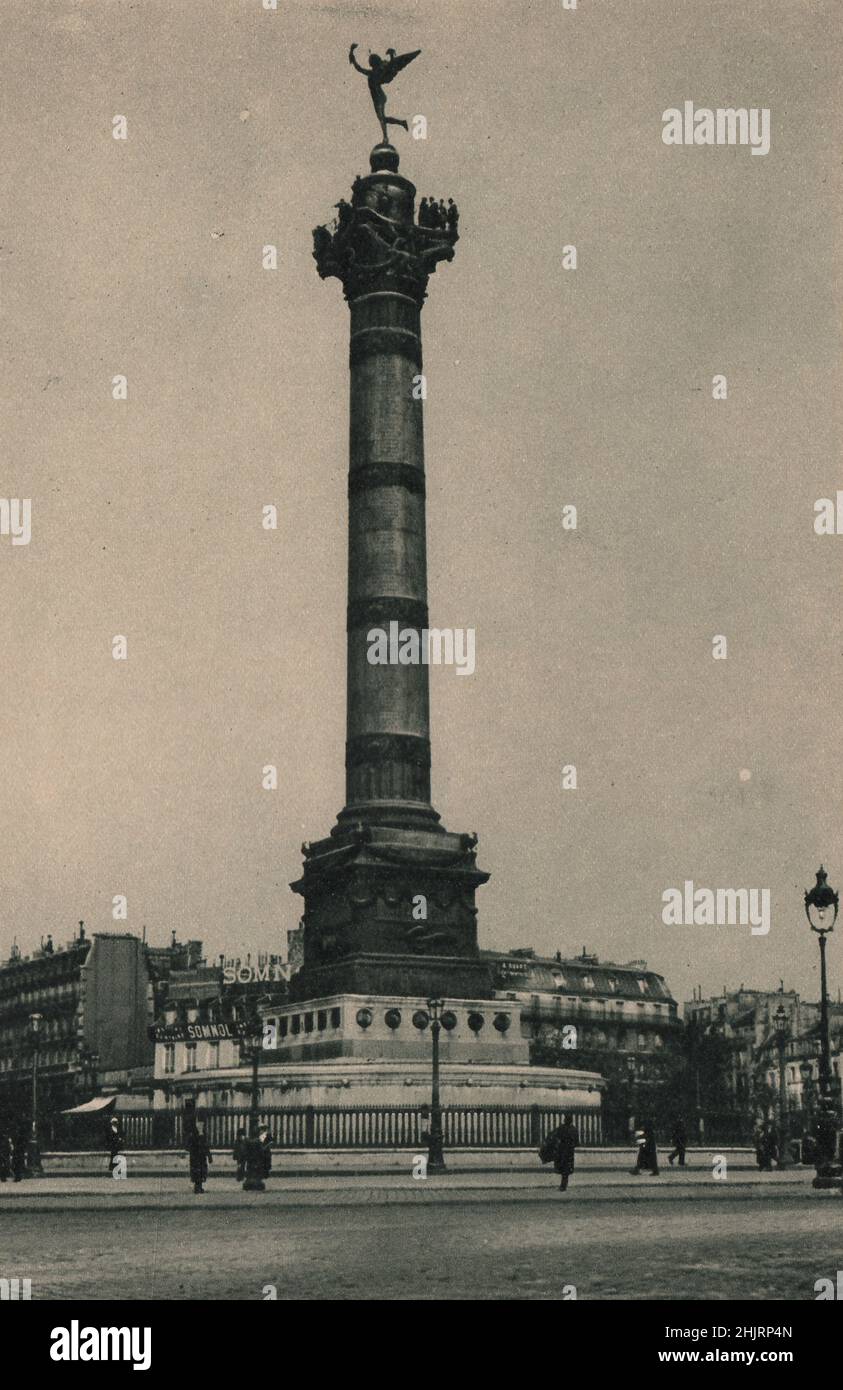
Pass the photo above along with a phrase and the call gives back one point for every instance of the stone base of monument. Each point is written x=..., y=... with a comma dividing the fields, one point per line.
x=356, y=1049
x=348, y=1083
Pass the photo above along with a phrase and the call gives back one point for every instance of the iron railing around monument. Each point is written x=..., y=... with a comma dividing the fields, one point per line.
x=358, y=1127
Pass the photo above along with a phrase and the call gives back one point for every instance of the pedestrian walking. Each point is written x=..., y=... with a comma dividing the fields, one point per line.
x=265, y=1139
x=116, y=1144
x=200, y=1157
x=238, y=1153
x=766, y=1147
x=567, y=1140
x=679, y=1139
x=647, y=1153
x=558, y=1147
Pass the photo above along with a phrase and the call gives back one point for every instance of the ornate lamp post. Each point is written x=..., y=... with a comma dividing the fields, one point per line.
x=630, y=1076
x=33, y=1153
x=806, y=1071
x=435, y=1156
x=89, y=1062
x=782, y=1027
x=821, y=907
x=251, y=1050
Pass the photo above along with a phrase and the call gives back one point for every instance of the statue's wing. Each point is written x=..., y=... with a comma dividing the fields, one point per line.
x=397, y=63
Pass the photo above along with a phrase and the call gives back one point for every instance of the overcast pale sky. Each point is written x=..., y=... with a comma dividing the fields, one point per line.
x=545, y=387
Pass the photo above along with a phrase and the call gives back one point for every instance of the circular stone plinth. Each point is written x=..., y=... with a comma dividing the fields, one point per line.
x=348, y=1082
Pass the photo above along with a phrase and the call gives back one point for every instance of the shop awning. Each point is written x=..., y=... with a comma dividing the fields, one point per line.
x=91, y=1107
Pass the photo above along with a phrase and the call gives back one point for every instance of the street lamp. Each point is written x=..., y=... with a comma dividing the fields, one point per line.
x=630, y=1074
x=806, y=1072
x=782, y=1026
x=33, y=1153
x=821, y=907
x=89, y=1062
x=435, y=1156
x=251, y=1048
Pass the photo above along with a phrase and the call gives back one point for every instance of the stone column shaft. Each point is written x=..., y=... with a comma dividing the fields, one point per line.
x=388, y=726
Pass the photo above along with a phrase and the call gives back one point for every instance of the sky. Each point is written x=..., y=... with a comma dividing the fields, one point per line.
x=547, y=387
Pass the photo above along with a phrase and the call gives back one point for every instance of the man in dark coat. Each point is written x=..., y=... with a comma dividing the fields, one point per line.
x=647, y=1153
x=766, y=1147
x=200, y=1157
x=565, y=1140
x=238, y=1153
x=266, y=1149
x=680, y=1143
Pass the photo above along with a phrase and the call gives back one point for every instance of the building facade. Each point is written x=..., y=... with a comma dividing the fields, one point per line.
x=742, y=1023
x=616, y=1019
x=83, y=1011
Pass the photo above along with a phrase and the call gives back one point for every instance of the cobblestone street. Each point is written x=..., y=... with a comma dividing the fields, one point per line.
x=501, y=1237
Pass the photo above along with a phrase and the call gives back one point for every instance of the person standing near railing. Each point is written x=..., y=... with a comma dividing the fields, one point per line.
x=200, y=1157
x=238, y=1153
x=647, y=1152
x=116, y=1144
x=266, y=1149
x=680, y=1142
x=560, y=1145
x=566, y=1147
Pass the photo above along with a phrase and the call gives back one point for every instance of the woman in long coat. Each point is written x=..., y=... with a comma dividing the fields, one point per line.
x=567, y=1140
x=200, y=1157
x=116, y=1144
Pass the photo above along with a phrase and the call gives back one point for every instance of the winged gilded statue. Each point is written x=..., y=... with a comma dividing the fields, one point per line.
x=383, y=70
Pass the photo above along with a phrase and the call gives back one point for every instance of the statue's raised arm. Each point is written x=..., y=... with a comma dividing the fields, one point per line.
x=354, y=62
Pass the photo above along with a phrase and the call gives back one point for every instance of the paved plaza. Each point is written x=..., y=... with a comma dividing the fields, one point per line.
x=384, y=1237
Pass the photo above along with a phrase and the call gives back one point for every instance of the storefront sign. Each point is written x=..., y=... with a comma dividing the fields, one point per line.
x=197, y=1032
x=252, y=974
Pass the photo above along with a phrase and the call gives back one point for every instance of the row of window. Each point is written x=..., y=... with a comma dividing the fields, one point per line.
x=600, y=1003
x=561, y=981
x=47, y=1057
x=43, y=994
x=318, y=1020
x=49, y=1028
x=293, y=1025
x=212, y=1057
x=793, y=1074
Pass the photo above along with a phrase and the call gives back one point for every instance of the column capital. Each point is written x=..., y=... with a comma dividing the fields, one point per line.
x=375, y=241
